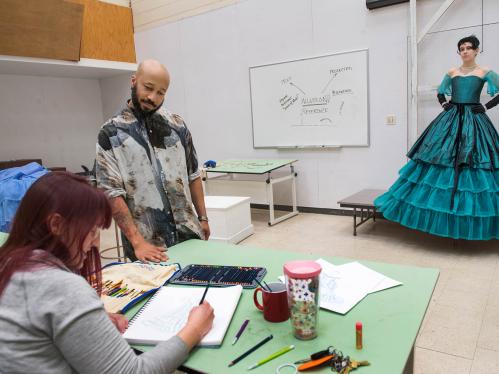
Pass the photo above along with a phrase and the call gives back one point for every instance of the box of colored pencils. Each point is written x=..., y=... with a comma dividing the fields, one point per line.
x=219, y=275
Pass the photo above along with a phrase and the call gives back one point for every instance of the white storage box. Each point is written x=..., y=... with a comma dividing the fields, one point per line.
x=230, y=218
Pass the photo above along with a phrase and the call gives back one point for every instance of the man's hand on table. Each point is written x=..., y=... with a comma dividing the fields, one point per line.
x=146, y=252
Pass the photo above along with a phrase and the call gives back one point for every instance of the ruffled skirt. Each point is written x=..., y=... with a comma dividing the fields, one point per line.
x=427, y=196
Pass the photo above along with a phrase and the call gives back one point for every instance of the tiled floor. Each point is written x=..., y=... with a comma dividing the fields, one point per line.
x=460, y=333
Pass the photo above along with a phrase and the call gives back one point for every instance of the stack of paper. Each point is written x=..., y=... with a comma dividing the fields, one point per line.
x=342, y=287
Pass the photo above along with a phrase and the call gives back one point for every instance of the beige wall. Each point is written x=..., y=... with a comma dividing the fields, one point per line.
x=55, y=119
x=151, y=13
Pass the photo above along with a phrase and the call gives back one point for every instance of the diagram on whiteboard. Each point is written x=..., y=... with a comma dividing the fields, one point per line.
x=316, y=108
x=321, y=101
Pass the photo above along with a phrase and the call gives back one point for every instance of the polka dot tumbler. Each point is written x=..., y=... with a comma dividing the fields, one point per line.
x=302, y=283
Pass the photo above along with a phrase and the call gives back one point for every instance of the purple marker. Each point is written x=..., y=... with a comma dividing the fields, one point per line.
x=240, y=332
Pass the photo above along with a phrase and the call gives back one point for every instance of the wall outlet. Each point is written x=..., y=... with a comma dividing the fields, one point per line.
x=391, y=120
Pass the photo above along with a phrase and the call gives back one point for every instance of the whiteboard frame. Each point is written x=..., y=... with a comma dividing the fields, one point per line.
x=324, y=146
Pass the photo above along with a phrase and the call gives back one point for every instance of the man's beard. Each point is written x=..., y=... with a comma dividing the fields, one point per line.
x=144, y=113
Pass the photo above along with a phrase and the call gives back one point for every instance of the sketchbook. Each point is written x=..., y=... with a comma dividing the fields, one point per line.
x=165, y=314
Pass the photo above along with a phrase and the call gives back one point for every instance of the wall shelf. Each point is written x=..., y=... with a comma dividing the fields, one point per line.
x=85, y=68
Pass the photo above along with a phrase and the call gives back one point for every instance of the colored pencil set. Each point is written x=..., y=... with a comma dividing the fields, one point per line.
x=117, y=289
x=218, y=275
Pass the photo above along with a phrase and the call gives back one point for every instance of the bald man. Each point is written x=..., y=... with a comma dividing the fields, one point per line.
x=147, y=165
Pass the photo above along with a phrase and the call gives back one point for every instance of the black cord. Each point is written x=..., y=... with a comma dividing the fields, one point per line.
x=483, y=43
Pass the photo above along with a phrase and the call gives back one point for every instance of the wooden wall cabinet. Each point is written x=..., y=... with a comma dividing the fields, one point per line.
x=107, y=32
x=47, y=29
x=67, y=30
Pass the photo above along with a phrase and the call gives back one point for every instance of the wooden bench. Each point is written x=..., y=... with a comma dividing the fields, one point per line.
x=363, y=200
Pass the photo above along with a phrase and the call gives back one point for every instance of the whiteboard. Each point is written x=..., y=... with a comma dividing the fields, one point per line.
x=314, y=102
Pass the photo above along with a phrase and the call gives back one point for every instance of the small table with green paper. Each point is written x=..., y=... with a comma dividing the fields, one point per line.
x=391, y=318
x=254, y=188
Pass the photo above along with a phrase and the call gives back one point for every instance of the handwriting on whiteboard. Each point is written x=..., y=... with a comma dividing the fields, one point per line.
x=315, y=109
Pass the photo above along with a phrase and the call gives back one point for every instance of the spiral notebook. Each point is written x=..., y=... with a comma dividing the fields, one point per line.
x=164, y=315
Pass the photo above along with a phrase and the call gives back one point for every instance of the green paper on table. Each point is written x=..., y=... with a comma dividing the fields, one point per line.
x=250, y=166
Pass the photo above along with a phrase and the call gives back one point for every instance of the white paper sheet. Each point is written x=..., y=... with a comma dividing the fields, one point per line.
x=167, y=313
x=343, y=286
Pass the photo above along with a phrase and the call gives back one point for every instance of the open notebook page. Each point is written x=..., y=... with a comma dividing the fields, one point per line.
x=166, y=314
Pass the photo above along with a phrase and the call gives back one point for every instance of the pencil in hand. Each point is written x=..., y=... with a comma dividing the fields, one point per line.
x=205, y=292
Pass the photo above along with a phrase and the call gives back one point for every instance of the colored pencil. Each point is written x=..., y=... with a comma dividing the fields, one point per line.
x=249, y=351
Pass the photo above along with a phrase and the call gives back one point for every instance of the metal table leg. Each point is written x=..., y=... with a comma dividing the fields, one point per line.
x=354, y=221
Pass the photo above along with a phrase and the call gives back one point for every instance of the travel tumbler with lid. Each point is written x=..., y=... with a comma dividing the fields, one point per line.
x=302, y=283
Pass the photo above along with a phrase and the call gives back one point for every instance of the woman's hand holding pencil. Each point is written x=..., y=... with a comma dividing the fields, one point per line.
x=199, y=323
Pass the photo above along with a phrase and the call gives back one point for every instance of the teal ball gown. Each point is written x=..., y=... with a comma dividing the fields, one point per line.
x=450, y=186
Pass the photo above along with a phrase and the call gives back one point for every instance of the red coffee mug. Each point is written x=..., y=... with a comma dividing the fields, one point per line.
x=275, y=302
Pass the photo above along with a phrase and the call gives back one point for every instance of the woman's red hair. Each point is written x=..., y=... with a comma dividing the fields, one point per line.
x=81, y=207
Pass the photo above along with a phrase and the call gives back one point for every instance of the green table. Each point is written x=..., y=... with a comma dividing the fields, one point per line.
x=250, y=166
x=391, y=318
x=3, y=237
x=255, y=167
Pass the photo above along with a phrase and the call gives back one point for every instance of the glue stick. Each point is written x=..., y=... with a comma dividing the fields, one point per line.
x=358, y=335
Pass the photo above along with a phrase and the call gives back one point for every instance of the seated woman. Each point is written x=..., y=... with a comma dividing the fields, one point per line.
x=51, y=319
